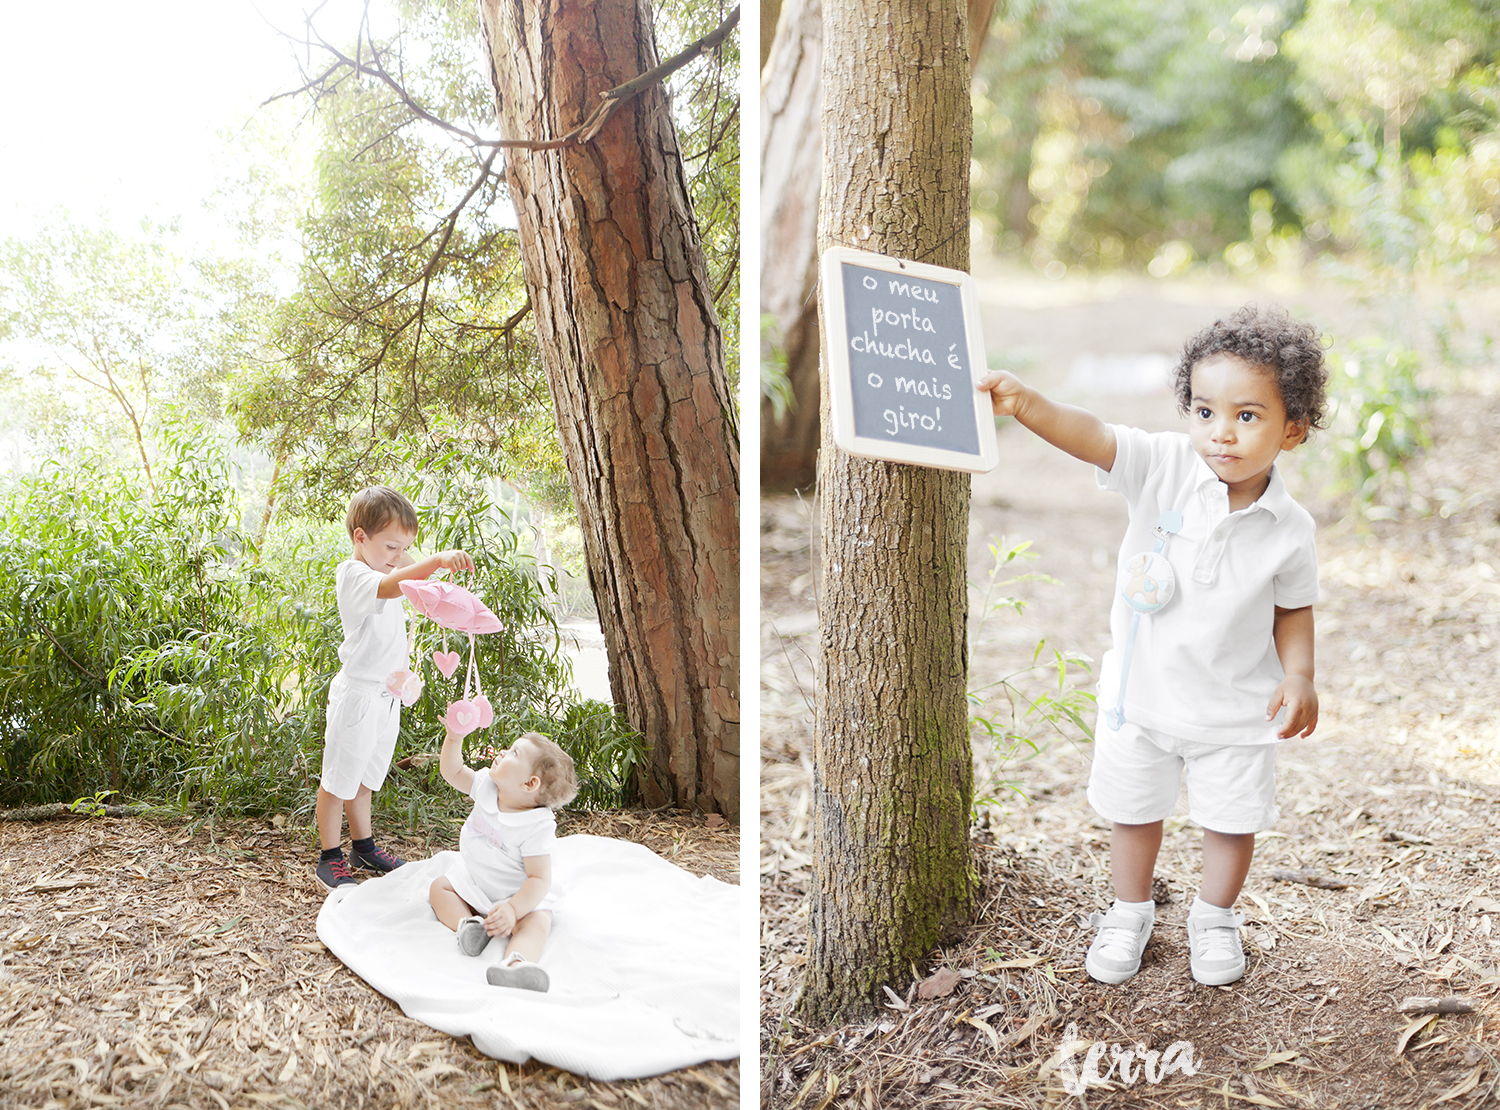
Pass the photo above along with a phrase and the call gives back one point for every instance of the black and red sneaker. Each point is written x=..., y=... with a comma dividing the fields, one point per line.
x=335, y=873
x=377, y=860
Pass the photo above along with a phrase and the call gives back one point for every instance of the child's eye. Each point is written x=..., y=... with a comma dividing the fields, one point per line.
x=1204, y=414
x=1246, y=417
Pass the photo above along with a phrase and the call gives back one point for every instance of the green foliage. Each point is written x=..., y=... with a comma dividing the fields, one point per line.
x=775, y=383
x=1021, y=713
x=146, y=649
x=1114, y=132
x=1377, y=418
x=1106, y=130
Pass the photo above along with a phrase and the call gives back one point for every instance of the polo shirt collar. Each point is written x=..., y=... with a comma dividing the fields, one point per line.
x=1275, y=499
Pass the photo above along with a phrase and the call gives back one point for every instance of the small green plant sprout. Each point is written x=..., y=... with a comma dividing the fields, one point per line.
x=1378, y=421
x=92, y=807
x=1021, y=713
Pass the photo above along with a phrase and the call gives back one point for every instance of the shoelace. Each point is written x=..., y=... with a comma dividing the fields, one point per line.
x=1217, y=942
x=1116, y=942
x=341, y=869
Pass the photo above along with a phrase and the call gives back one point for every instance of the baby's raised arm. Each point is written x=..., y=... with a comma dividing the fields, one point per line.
x=458, y=774
x=1077, y=431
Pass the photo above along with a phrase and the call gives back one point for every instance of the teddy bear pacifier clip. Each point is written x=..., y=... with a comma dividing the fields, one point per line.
x=1147, y=583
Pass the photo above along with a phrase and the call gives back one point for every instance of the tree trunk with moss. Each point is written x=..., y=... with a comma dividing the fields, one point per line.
x=634, y=358
x=893, y=873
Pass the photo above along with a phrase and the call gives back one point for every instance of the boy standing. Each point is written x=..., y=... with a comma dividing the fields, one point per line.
x=1214, y=648
x=364, y=715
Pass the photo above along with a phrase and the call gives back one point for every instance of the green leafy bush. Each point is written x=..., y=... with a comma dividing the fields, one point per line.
x=1377, y=417
x=148, y=646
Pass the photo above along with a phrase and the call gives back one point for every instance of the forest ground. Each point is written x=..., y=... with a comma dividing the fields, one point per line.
x=145, y=963
x=1395, y=798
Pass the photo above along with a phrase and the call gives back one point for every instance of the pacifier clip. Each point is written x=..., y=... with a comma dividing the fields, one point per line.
x=1149, y=584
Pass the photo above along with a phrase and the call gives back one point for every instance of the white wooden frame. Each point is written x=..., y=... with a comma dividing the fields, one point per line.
x=841, y=395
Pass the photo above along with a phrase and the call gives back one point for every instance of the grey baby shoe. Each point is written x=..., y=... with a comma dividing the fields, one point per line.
x=471, y=936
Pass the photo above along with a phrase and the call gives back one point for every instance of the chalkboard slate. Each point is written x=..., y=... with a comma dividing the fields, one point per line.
x=904, y=352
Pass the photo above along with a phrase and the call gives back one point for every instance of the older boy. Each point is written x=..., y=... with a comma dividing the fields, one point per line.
x=1224, y=670
x=364, y=716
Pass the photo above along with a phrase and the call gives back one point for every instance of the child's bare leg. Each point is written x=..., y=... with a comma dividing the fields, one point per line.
x=530, y=935
x=1226, y=862
x=449, y=907
x=330, y=811
x=358, y=810
x=1132, y=859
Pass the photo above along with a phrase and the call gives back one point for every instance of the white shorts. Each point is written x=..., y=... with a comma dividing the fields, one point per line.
x=1137, y=773
x=363, y=720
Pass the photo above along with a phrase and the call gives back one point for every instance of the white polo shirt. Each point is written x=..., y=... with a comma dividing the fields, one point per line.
x=1205, y=665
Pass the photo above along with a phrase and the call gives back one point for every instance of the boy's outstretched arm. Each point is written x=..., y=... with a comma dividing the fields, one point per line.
x=1077, y=431
x=451, y=763
x=1293, y=633
x=390, y=585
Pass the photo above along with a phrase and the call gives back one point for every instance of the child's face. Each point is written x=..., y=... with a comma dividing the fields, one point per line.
x=1238, y=424
x=383, y=550
x=514, y=782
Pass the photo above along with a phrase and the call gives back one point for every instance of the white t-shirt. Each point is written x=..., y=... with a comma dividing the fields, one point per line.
x=493, y=847
x=1205, y=665
x=374, y=628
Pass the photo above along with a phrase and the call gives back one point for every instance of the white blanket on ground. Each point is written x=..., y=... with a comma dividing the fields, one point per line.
x=642, y=959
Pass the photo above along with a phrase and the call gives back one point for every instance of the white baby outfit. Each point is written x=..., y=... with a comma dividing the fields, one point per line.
x=1204, y=666
x=363, y=716
x=493, y=846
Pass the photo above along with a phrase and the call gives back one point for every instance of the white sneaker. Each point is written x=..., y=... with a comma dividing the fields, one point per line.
x=1115, y=954
x=1215, y=954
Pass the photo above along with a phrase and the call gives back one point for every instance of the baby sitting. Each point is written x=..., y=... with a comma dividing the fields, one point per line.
x=502, y=882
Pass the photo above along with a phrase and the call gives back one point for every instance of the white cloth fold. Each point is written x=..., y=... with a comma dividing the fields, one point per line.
x=643, y=965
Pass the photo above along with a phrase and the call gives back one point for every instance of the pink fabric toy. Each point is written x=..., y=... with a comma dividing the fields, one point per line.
x=450, y=606
x=455, y=607
x=406, y=685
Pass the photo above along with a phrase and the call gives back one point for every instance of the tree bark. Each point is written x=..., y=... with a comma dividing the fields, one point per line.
x=791, y=152
x=893, y=873
x=791, y=155
x=634, y=359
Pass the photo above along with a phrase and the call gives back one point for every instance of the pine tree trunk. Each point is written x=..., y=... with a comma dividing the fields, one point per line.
x=893, y=873
x=634, y=358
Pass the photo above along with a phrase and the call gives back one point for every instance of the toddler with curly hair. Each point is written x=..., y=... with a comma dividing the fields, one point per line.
x=1212, y=666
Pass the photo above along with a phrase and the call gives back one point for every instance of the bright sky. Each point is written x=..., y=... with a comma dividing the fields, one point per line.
x=116, y=107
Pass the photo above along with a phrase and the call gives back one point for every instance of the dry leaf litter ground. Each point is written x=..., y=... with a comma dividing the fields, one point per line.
x=1396, y=796
x=144, y=964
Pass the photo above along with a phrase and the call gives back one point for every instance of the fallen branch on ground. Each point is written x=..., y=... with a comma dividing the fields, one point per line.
x=63, y=809
x=1310, y=878
x=1422, y=1004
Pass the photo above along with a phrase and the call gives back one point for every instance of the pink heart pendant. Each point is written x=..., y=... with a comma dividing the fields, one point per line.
x=462, y=718
x=446, y=662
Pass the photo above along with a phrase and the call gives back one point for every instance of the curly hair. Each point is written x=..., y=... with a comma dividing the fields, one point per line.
x=1271, y=339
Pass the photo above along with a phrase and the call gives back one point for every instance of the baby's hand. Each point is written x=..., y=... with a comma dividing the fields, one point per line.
x=501, y=921
x=1296, y=693
x=1007, y=393
x=455, y=560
